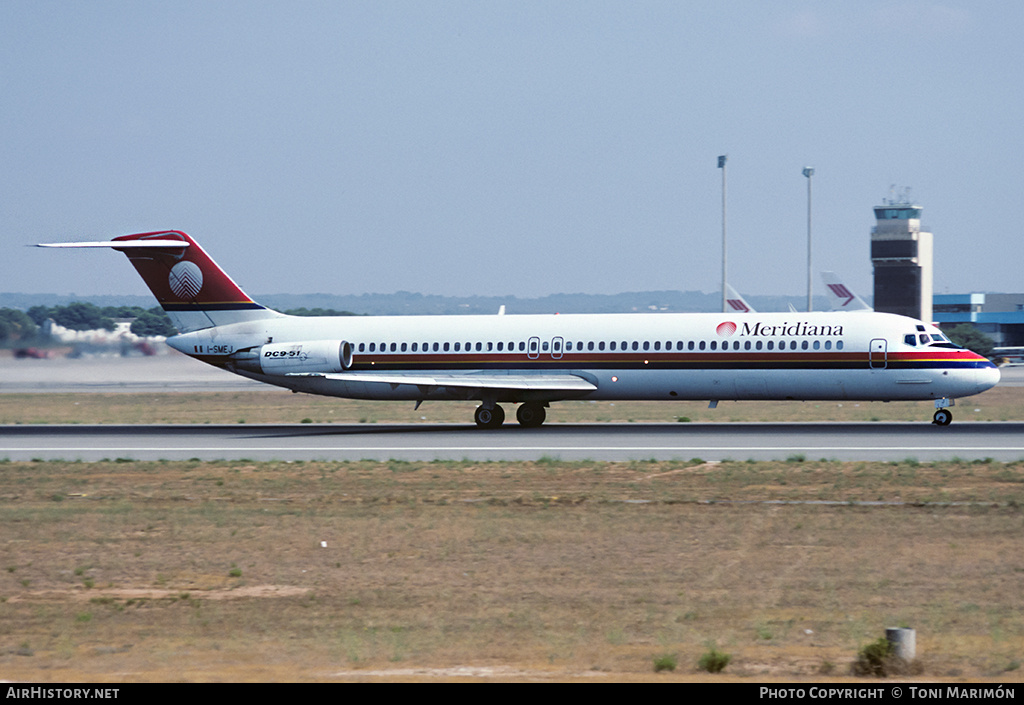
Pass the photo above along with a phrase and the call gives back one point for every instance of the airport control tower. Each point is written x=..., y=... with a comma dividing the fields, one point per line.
x=902, y=257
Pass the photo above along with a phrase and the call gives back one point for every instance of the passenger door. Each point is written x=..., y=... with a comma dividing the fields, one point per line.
x=878, y=354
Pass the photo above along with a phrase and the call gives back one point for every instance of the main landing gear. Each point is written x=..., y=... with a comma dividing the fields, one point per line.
x=529, y=415
x=492, y=417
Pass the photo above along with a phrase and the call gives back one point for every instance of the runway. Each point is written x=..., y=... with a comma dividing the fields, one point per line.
x=609, y=442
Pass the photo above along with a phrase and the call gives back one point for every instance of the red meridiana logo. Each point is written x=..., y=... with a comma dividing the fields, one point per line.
x=726, y=329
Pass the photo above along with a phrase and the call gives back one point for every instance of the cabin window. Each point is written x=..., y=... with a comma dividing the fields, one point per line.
x=714, y=345
x=839, y=345
x=771, y=344
x=647, y=345
x=590, y=345
x=362, y=347
x=611, y=346
x=657, y=345
x=702, y=345
x=447, y=346
x=828, y=344
x=636, y=345
x=758, y=345
x=817, y=344
x=479, y=347
x=803, y=345
x=404, y=347
x=600, y=346
x=522, y=346
x=501, y=346
x=792, y=345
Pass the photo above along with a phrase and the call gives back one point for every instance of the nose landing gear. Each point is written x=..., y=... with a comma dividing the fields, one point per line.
x=943, y=416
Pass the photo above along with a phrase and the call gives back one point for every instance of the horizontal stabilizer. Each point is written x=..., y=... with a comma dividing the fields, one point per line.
x=137, y=244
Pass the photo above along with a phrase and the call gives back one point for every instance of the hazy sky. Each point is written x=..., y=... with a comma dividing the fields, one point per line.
x=520, y=148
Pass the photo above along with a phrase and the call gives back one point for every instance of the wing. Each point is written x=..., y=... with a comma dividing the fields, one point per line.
x=571, y=385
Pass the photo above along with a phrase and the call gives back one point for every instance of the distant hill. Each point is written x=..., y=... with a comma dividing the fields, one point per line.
x=406, y=303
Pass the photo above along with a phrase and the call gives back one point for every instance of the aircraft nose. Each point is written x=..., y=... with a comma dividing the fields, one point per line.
x=987, y=377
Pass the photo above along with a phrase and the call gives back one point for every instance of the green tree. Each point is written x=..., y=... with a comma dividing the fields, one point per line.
x=39, y=314
x=16, y=325
x=81, y=316
x=153, y=322
x=317, y=312
x=967, y=336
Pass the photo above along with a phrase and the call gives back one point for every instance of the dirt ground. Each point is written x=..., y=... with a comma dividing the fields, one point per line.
x=190, y=571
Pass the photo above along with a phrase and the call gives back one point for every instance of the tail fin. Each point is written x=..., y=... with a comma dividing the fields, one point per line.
x=190, y=287
x=737, y=302
x=841, y=297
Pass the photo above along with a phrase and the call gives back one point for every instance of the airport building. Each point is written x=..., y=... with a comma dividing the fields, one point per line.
x=999, y=316
x=901, y=253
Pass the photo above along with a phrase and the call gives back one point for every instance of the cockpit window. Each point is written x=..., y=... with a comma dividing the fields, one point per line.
x=910, y=339
x=941, y=341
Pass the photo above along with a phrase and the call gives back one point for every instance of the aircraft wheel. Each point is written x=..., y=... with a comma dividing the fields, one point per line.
x=489, y=418
x=530, y=415
x=942, y=417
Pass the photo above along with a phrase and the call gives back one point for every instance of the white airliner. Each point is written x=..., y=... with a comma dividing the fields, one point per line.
x=533, y=360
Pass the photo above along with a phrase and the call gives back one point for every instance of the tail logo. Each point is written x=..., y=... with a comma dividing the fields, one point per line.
x=186, y=279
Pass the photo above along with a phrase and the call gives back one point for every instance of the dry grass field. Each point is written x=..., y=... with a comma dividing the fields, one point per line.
x=240, y=571
x=234, y=571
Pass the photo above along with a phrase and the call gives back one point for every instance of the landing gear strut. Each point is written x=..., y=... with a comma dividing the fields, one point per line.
x=492, y=417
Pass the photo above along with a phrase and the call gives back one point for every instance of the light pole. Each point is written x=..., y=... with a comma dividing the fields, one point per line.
x=721, y=165
x=809, y=172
